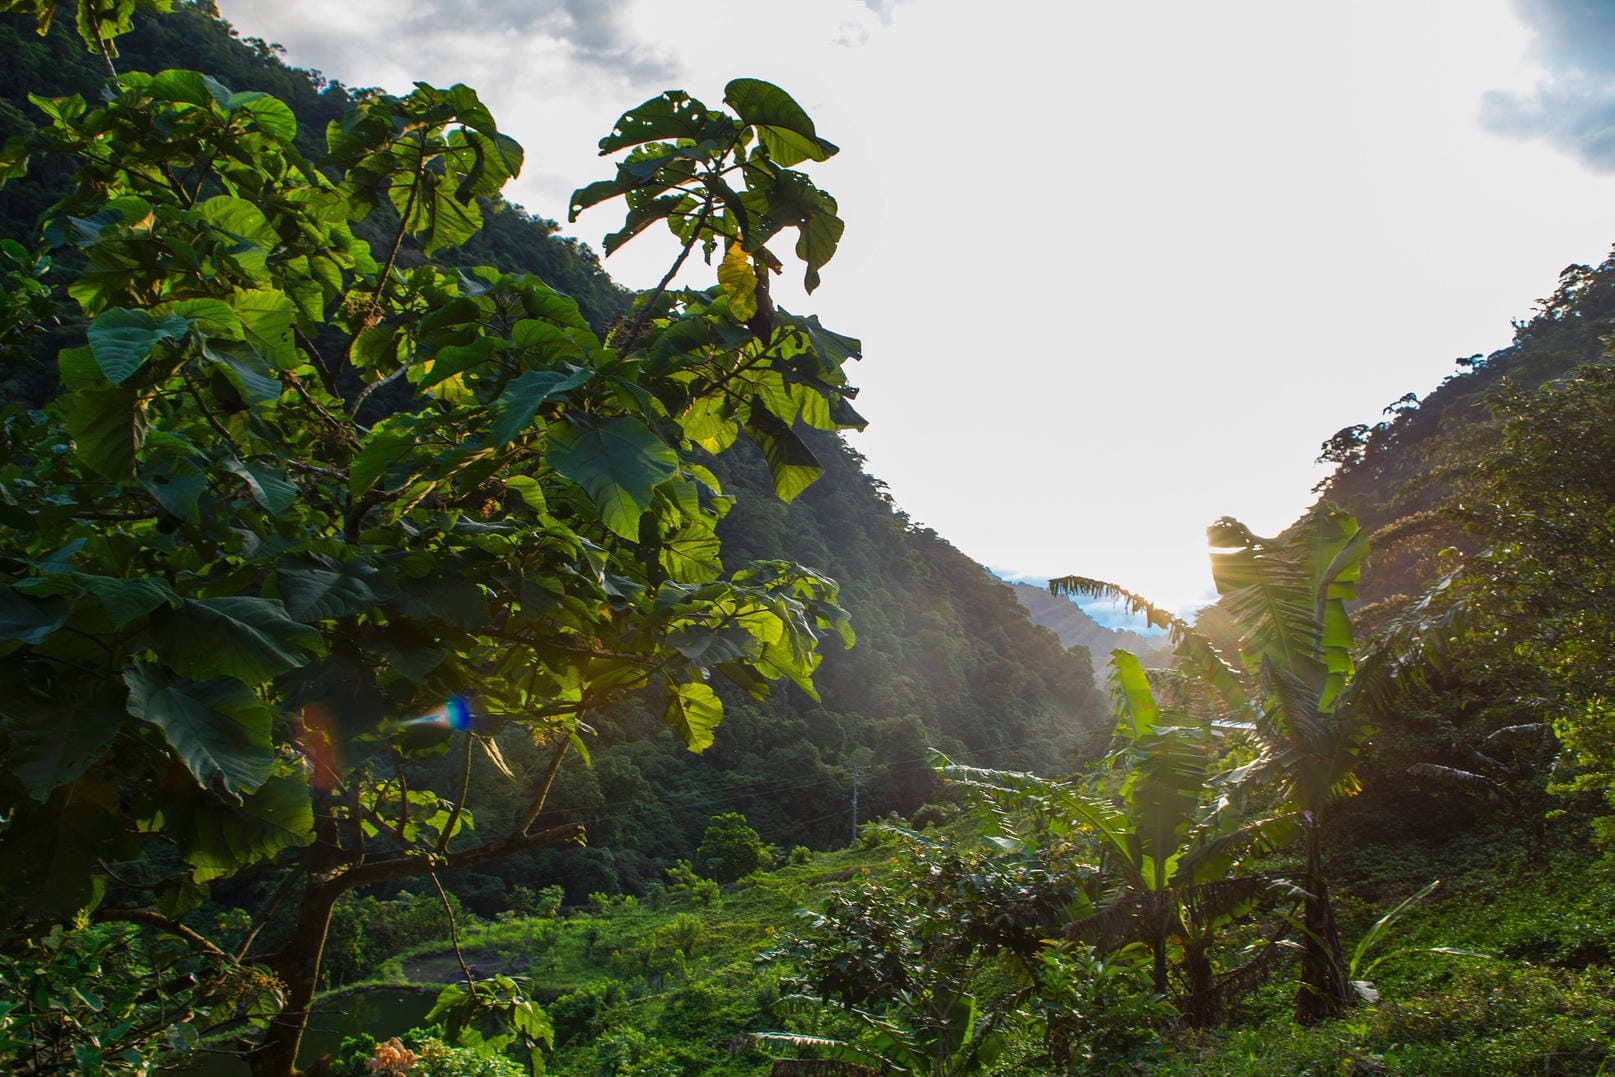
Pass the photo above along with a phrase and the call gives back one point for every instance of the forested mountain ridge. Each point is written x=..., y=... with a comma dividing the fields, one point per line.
x=1425, y=449
x=1493, y=490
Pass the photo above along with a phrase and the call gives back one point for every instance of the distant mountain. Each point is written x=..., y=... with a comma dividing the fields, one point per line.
x=1075, y=628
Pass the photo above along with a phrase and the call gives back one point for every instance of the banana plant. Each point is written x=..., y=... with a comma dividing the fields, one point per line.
x=1293, y=692
x=1170, y=845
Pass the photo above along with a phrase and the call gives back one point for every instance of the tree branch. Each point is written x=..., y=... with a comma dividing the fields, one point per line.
x=454, y=934
x=459, y=801
x=536, y=808
x=152, y=918
x=626, y=340
x=403, y=867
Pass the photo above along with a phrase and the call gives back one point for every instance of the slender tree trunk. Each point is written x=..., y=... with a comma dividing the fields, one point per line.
x=1200, y=1007
x=1323, y=992
x=298, y=966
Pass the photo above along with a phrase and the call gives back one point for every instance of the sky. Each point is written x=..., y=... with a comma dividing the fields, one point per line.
x=1118, y=269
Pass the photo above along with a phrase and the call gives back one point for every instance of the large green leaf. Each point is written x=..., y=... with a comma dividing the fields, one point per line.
x=618, y=463
x=176, y=482
x=782, y=126
x=244, y=222
x=385, y=445
x=267, y=318
x=791, y=463
x=481, y=164
x=244, y=368
x=515, y=407
x=1270, y=598
x=321, y=589
x=51, y=742
x=29, y=620
x=693, y=712
x=274, y=117
x=128, y=600
x=456, y=602
x=122, y=339
x=267, y=485
x=108, y=425
x=1135, y=700
x=433, y=213
x=218, y=840
x=218, y=728
x=691, y=554
x=671, y=116
x=250, y=639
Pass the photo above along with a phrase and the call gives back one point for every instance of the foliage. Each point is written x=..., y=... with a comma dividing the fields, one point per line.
x=1286, y=600
x=246, y=597
x=1099, y=1010
x=731, y=849
x=934, y=956
x=1544, y=582
x=79, y=999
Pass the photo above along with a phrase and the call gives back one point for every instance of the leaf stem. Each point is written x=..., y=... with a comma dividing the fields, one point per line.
x=536, y=808
x=626, y=339
x=459, y=801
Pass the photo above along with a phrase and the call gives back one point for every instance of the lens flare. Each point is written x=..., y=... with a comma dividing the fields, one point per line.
x=454, y=714
x=317, y=743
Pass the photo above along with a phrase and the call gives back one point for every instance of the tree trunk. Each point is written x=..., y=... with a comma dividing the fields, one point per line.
x=298, y=966
x=1323, y=990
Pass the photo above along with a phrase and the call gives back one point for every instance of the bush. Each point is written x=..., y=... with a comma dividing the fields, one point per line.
x=585, y=1012
x=730, y=849
x=930, y=815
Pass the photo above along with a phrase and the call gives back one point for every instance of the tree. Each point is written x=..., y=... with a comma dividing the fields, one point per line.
x=1287, y=598
x=731, y=849
x=1170, y=847
x=1543, y=588
x=239, y=596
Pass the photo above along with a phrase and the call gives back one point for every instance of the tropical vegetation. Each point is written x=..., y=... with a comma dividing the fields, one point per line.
x=398, y=617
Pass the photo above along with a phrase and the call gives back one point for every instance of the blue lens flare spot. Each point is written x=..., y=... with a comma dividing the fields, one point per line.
x=454, y=714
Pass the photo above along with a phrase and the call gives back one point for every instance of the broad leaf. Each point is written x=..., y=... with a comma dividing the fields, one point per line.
x=671, y=116
x=781, y=124
x=122, y=339
x=322, y=589
x=1135, y=701
x=219, y=840
x=693, y=712
x=618, y=463
x=219, y=729
x=128, y=600
x=514, y=409
x=29, y=620
x=250, y=639
x=739, y=281
x=52, y=742
x=790, y=462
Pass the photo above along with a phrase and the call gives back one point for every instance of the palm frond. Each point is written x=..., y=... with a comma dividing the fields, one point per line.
x=1136, y=604
x=1453, y=775
x=1420, y=639
x=1269, y=596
